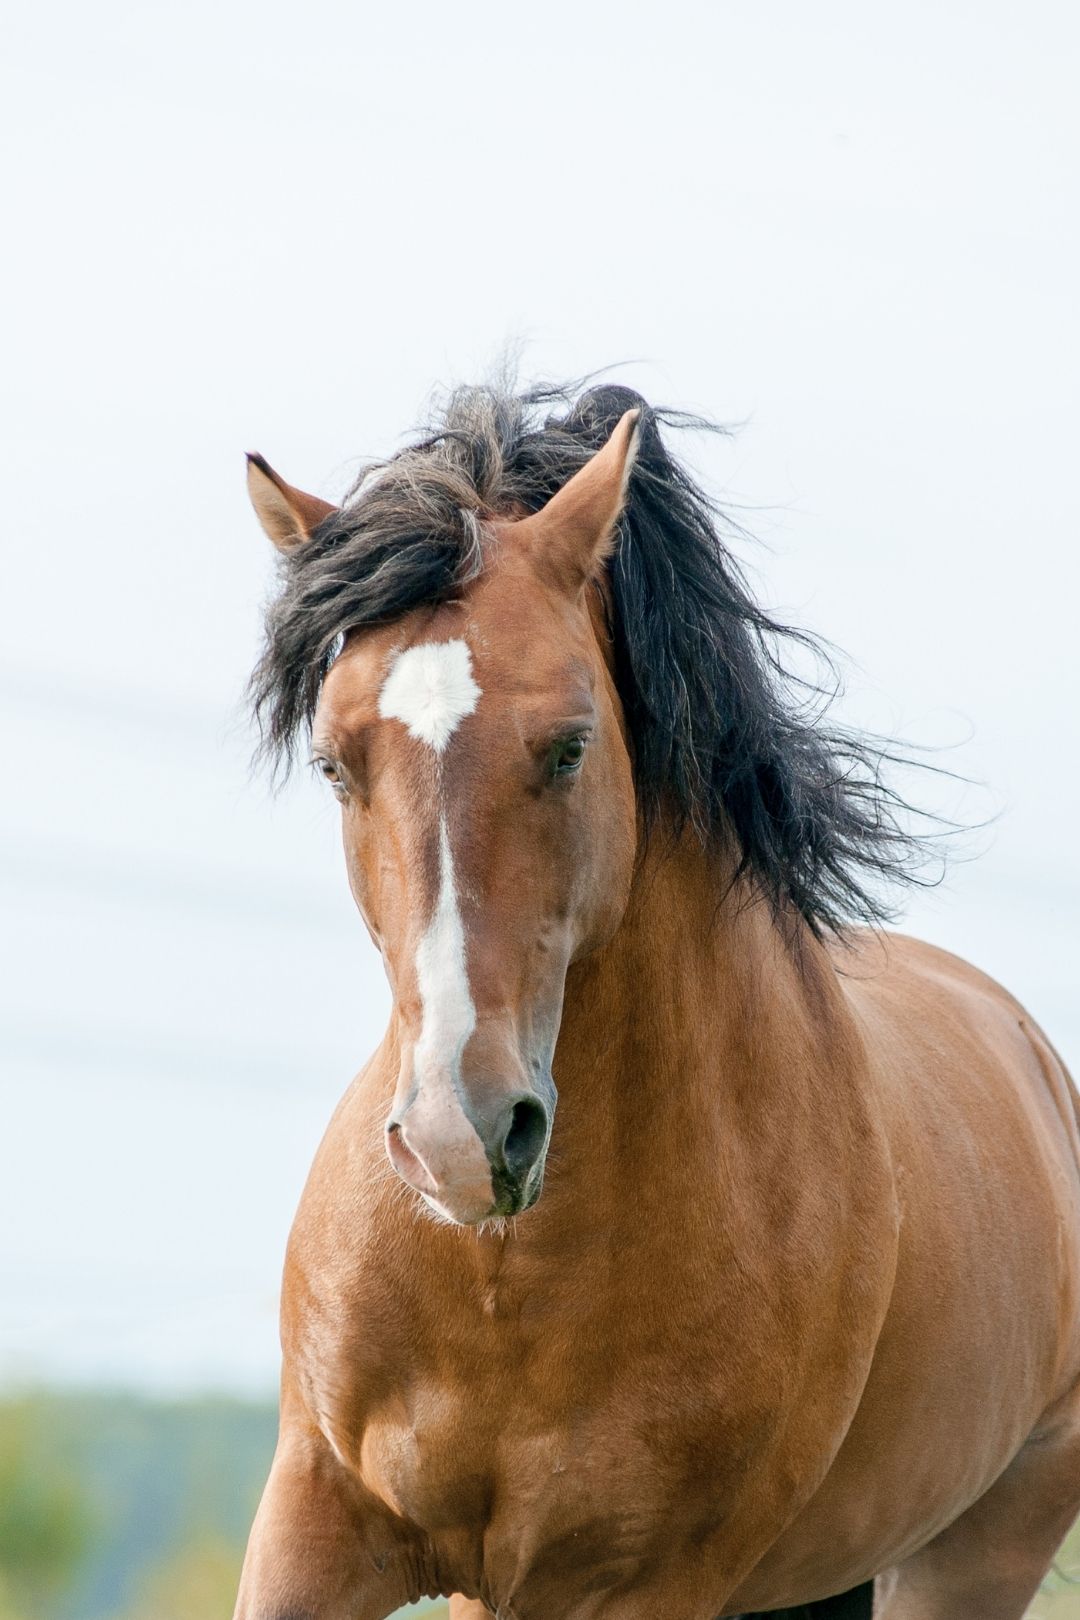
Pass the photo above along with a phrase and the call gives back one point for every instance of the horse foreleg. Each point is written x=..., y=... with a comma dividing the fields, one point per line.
x=321, y=1547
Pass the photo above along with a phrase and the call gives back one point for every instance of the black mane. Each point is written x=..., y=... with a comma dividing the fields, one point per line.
x=723, y=736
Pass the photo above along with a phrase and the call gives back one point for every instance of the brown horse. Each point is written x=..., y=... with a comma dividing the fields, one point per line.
x=793, y=1325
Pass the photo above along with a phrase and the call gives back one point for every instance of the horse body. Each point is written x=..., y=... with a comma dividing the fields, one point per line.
x=977, y=1358
x=743, y=1393
x=797, y=1309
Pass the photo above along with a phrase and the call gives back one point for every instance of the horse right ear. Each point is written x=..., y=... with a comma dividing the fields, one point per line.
x=287, y=514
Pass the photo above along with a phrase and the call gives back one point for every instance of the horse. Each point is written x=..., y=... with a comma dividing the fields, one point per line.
x=692, y=1245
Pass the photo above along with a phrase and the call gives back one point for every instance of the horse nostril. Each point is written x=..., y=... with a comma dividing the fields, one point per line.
x=524, y=1141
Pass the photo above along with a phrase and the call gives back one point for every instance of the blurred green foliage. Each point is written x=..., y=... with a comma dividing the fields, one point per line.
x=45, y=1514
x=198, y=1579
x=1060, y=1596
x=134, y=1485
x=116, y=1508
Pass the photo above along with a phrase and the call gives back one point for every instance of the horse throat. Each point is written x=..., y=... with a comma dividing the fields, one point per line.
x=706, y=1037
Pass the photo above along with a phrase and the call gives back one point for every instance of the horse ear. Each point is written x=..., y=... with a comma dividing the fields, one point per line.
x=287, y=514
x=575, y=532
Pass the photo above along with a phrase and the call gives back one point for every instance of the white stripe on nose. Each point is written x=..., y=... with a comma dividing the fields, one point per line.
x=448, y=1014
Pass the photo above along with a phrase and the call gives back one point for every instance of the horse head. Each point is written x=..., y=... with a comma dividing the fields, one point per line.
x=477, y=747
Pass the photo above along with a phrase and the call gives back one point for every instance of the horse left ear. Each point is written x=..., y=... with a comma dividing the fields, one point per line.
x=287, y=514
x=574, y=533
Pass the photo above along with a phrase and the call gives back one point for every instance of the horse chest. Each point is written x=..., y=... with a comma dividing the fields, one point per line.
x=523, y=1449
x=519, y=1419
x=494, y=1486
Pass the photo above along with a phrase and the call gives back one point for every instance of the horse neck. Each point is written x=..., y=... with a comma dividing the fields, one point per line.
x=702, y=1024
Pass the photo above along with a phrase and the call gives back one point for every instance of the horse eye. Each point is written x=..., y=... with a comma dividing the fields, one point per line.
x=330, y=773
x=567, y=756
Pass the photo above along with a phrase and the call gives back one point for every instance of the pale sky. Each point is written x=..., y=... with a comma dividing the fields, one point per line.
x=853, y=229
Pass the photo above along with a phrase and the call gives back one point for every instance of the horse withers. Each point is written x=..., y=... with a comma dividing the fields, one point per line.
x=685, y=1249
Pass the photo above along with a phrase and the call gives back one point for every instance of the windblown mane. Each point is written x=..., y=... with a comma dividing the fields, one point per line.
x=724, y=738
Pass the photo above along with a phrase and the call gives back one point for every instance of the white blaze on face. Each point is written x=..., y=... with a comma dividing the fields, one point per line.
x=430, y=689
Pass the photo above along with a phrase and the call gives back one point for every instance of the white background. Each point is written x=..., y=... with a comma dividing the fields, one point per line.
x=852, y=228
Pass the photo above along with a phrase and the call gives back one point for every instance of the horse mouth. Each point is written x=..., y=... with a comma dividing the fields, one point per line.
x=513, y=1197
x=504, y=1201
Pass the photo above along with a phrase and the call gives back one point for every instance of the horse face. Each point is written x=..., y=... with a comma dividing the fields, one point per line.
x=489, y=823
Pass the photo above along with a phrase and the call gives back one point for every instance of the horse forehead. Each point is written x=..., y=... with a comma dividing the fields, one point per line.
x=425, y=678
x=432, y=686
x=375, y=671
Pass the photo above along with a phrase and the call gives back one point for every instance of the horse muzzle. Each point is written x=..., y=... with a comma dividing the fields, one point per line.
x=472, y=1160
